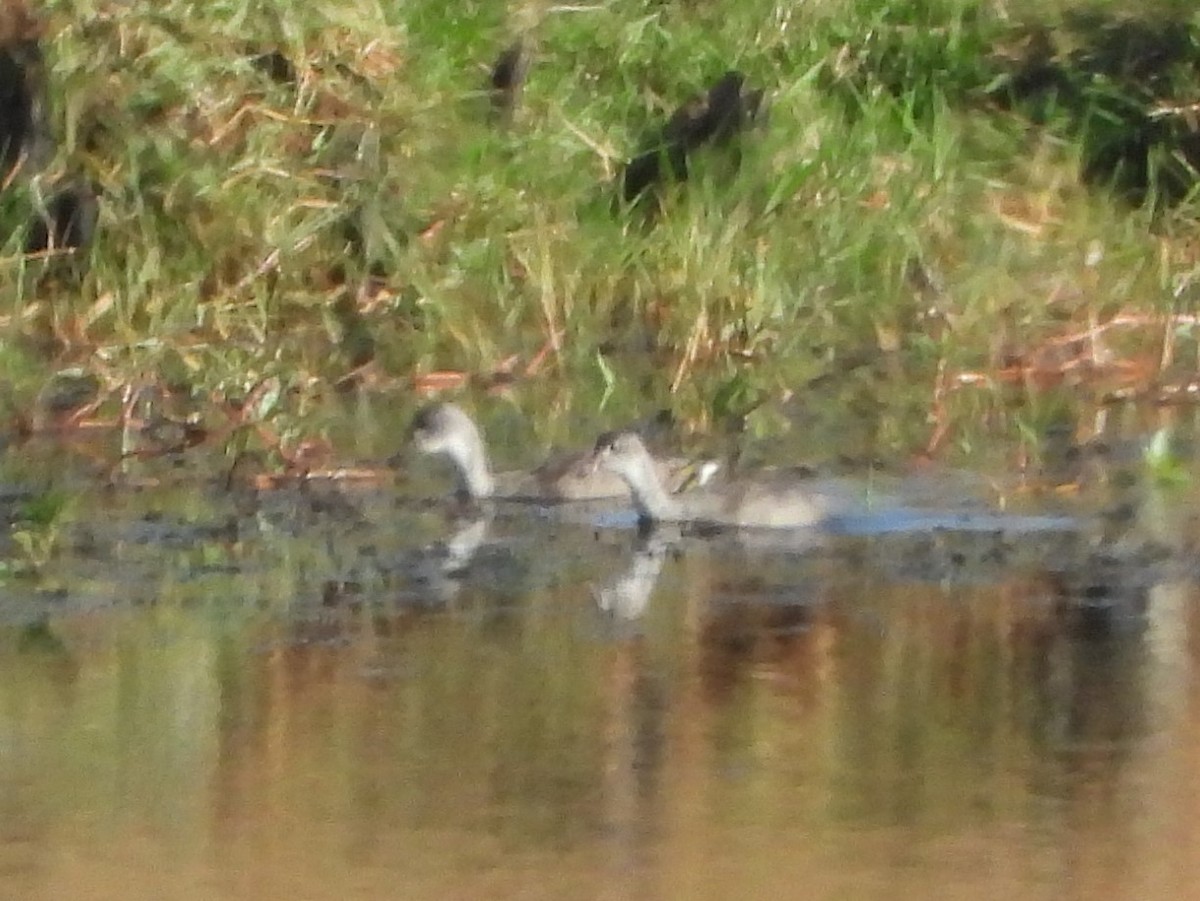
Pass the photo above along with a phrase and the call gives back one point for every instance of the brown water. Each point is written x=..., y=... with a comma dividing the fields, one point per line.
x=300, y=704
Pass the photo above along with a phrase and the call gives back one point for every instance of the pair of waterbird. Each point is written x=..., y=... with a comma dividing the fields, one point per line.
x=668, y=490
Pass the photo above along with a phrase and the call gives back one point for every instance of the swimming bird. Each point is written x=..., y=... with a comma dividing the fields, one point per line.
x=781, y=499
x=445, y=429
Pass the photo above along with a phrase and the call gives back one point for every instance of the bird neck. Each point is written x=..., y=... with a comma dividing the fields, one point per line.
x=474, y=473
x=651, y=499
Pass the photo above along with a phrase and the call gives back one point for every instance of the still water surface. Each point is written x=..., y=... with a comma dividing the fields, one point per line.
x=295, y=701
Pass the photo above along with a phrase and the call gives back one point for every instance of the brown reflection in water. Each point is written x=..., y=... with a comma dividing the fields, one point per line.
x=979, y=712
x=413, y=742
x=638, y=702
x=877, y=739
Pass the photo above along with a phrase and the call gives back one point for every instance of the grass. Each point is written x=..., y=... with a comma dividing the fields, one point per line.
x=948, y=205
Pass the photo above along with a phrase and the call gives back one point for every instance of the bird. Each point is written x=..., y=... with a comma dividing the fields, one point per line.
x=781, y=499
x=66, y=221
x=711, y=118
x=507, y=78
x=446, y=429
x=26, y=145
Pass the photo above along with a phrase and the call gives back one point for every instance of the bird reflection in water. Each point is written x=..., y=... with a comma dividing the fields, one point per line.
x=624, y=598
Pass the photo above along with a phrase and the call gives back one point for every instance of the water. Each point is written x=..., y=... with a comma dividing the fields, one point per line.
x=294, y=696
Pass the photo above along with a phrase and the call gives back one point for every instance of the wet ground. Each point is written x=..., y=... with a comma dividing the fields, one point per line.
x=340, y=691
